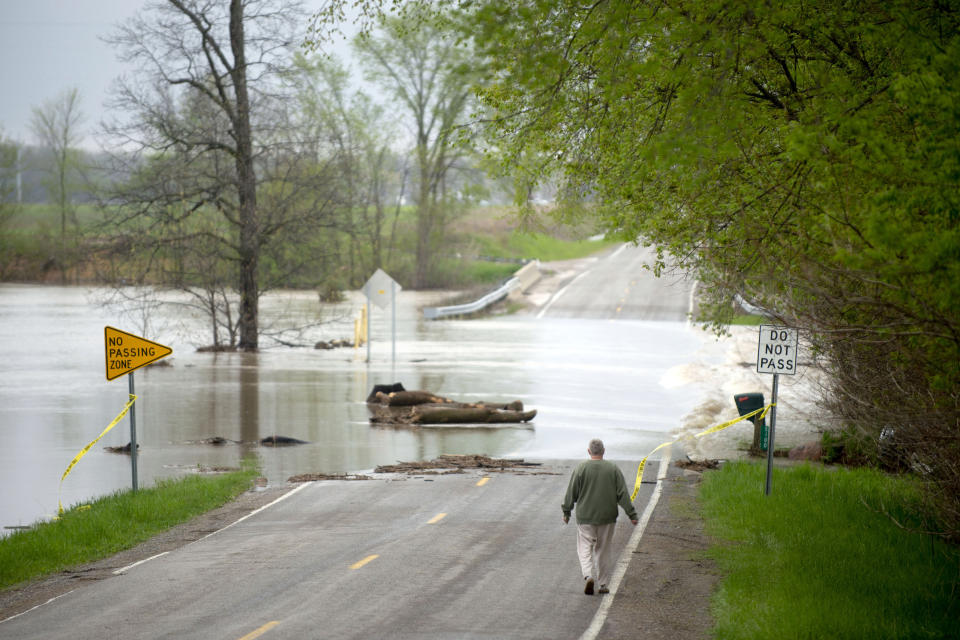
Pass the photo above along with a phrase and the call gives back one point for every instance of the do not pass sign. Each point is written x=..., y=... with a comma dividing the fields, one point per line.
x=777, y=352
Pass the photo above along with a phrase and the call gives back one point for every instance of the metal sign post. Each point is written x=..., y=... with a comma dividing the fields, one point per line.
x=776, y=354
x=773, y=431
x=133, y=432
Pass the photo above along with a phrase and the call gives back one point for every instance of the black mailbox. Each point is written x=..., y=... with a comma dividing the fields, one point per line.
x=747, y=402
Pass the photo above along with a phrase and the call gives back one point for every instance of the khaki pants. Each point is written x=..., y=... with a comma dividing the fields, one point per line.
x=593, y=548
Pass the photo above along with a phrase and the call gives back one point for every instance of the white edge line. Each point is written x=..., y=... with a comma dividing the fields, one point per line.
x=253, y=513
x=557, y=295
x=139, y=562
x=617, y=252
x=37, y=607
x=601, y=615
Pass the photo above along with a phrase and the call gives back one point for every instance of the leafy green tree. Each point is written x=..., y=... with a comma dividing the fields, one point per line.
x=801, y=154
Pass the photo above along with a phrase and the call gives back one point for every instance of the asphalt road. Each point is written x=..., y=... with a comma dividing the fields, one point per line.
x=620, y=286
x=454, y=556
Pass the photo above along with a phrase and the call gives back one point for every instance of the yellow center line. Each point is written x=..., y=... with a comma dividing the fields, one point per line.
x=437, y=518
x=357, y=565
x=262, y=630
x=483, y=481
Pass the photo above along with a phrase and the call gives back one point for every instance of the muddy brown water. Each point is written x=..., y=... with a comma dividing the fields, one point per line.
x=586, y=378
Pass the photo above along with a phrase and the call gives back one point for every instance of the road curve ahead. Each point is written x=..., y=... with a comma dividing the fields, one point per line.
x=621, y=286
x=460, y=556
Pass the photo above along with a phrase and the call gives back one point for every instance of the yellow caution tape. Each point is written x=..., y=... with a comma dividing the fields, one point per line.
x=714, y=429
x=87, y=448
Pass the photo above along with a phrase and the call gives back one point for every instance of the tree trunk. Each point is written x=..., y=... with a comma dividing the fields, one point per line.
x=246, y=185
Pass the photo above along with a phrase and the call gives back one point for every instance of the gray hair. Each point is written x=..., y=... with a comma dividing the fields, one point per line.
x=596, y=447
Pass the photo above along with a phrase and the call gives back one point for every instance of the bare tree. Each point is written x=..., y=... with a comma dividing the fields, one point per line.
x=56, y=125
x=203, y=97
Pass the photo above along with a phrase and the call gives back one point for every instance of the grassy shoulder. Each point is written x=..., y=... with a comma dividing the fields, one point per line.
x=114, y=523
x=830, y=553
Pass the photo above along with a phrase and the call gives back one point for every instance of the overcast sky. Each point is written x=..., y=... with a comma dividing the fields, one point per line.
x=50, y=46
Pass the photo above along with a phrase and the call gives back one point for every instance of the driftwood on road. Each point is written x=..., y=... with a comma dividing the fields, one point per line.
x=456, y=464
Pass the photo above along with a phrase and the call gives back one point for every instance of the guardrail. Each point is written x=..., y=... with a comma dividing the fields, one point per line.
x=522, y=279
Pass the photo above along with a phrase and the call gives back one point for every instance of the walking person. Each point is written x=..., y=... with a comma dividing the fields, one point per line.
x=596, y=487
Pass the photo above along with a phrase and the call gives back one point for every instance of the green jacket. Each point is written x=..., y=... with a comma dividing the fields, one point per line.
x=597, y=487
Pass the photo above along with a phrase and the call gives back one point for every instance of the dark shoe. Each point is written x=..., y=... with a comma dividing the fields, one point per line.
x=603, y=589
x=588, y=589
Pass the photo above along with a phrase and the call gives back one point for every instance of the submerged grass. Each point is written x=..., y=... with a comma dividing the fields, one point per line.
x=823, y=558
x=114, y=523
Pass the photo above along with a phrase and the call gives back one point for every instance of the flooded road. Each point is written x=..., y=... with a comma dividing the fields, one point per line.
x=586, y=377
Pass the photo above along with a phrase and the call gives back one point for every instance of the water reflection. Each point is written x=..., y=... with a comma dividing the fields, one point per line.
x=585, y=378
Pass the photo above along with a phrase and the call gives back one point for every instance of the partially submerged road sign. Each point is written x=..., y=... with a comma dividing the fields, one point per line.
x=381, y=288
x=125, y=352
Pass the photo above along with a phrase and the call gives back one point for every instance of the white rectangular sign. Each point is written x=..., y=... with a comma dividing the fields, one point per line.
x=777, y=351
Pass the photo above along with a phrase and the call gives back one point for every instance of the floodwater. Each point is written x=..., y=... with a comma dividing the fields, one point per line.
x=586, y=378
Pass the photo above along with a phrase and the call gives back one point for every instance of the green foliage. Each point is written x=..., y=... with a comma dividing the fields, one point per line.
x=802, y=154
x=822, y=556
x=114, y=523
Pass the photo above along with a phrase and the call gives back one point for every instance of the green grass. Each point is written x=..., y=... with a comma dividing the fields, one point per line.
x=114, y=523
x=819, y=559
x=749, y=320
x=538, y=246
x=489, y=272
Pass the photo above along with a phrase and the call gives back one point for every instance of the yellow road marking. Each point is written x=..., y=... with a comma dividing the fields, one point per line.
x=262, y=630
x=357, y=565
x=437, y=518
x=483, y=481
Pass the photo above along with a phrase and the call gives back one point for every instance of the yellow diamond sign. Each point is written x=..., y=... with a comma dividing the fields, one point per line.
x=125, y=352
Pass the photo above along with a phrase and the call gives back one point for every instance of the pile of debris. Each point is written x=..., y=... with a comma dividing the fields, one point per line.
x=392, y=404
x=455, y=464
x=697, y=465
x=314, y=477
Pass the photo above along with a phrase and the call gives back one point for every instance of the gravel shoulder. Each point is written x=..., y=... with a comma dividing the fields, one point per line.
x=665, y=592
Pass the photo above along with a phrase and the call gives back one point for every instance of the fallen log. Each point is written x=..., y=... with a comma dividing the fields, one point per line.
x=409, y=398
x=432, y=414
x=453, y=413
